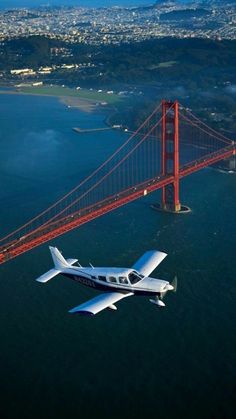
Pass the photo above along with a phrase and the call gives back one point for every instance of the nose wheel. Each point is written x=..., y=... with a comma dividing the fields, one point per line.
x=156, y=300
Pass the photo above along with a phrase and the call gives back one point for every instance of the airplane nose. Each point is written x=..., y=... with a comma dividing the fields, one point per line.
x=169, y=287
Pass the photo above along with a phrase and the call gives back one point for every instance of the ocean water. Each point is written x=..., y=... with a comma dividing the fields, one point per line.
x=140, y=361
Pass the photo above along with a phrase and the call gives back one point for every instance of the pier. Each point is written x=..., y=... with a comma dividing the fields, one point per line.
x=88, y=130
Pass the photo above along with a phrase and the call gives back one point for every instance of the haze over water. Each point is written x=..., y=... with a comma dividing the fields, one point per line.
x=79, y=3
x=139, y=361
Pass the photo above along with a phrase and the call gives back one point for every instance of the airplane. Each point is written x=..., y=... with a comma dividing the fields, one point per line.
x=117, y=283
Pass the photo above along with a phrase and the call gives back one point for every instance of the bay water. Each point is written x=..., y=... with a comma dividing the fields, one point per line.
x=140, y=361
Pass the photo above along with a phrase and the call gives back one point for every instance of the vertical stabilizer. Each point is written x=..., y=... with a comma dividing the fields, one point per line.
x=58, y=259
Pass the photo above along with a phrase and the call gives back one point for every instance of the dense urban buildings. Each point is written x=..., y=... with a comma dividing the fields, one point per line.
x=117, y=25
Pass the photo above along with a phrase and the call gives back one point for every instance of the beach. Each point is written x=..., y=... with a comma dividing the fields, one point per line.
x=82, y=99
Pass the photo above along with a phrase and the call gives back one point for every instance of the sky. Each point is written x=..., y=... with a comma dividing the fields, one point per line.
x=83, y=3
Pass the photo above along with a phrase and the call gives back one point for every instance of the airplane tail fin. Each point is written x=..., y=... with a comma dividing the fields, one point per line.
x=60, y=264
x=59, y=261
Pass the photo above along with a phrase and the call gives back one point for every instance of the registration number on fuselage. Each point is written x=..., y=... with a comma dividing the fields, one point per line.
x=84, y=281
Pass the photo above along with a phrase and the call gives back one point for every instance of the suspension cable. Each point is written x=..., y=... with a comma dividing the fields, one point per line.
x=203, y=123
x=203, y=130
x=85, y=180
x=99, y=181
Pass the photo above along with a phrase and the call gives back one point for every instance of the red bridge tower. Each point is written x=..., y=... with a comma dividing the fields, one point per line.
x=170, y=155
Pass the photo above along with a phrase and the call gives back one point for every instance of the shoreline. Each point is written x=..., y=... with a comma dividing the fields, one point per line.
x=83, y=104
x=87, y=105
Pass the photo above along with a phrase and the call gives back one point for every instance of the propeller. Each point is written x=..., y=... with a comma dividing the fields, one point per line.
x=174, y=283
x=158, y=300
x=172, y=286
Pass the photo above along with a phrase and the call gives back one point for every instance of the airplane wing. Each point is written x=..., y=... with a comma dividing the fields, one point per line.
x=48, y=275
x=149, y=261
x=99, y=303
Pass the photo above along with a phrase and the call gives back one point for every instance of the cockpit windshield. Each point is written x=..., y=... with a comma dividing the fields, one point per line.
x=134, y=277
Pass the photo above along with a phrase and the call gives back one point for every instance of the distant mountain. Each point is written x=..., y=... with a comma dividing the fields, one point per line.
x=184, y=14
x=203, y=3
x=158, y=3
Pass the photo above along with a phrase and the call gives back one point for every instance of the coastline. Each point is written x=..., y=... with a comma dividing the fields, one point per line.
x=85, y=105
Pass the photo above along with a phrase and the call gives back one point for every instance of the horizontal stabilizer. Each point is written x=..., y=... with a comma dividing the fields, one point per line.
x=71, y=261
x=149, y=261
x=48, y=275
x=60, y=265
x=99, y=303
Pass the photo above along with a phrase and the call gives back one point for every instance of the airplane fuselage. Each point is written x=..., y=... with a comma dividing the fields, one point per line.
x=117, y=280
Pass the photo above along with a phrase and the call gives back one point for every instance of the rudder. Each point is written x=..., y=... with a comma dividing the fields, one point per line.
x=59, y=261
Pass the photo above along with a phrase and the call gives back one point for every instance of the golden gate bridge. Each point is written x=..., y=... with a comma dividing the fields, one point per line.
x=170, y=144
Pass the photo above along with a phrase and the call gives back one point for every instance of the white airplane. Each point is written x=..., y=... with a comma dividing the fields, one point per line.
x=117, y=283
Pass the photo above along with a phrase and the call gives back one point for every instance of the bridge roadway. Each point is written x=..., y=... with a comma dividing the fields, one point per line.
x=56, y=228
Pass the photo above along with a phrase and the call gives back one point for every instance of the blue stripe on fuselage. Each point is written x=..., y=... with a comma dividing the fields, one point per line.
x=107, y=288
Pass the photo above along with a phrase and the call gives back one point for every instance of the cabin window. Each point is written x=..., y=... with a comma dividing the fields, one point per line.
x=134, y=277
x=102, y=278
x=112, y=279
x=123, y=280
x=93, y=277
